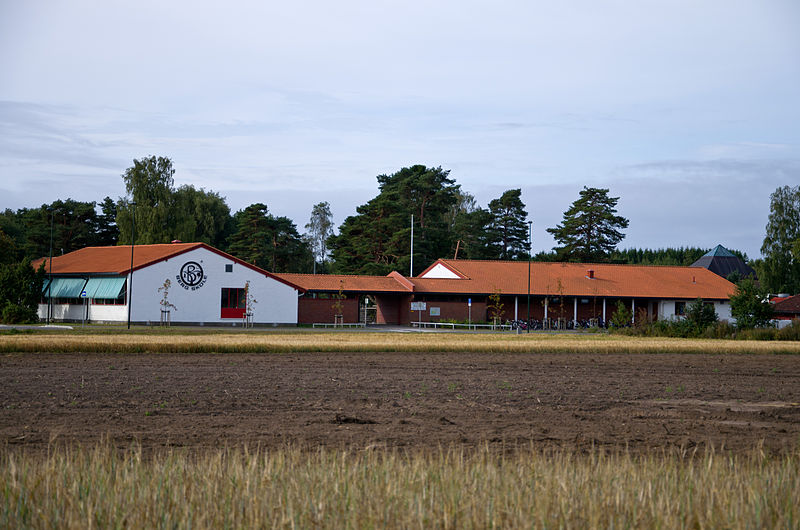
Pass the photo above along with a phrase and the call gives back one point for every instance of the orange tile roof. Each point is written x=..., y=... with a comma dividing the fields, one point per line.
x=117, y=260
x=114, y=260
x=510, y=278
x=333, y=282
x=571, y=279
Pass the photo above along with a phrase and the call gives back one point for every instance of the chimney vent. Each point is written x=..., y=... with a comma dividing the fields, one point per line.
x=590, y=274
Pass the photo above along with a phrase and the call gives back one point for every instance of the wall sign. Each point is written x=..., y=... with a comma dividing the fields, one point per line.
x=191, y=276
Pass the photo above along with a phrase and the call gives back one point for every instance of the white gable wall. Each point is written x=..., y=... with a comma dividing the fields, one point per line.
x=276, y=301
x=440, y=271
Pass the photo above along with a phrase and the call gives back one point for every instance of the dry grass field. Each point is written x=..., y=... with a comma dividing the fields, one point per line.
x=307, y=341
x=302, y=429
x=437, y=488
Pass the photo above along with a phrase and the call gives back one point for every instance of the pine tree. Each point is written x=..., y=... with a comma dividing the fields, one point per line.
x=589, y=230
x=508, y=227
x=377, y=239
x=269, y=242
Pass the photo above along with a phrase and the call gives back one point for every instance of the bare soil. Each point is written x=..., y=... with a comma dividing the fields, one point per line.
x=639, y=402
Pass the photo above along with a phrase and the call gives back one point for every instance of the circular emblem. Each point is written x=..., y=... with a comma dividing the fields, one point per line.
x=191, y=273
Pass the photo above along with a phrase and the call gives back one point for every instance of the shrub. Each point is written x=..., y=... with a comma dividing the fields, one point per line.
x=791, y=332
x=622, y=316
x=750, y=307
x=758, y=334
x=15, y=314
x=701, y=315
x=721, y=329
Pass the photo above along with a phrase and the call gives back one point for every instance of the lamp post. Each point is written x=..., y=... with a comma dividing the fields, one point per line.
x=50, y=274
x=530, y=253
x=130, y=280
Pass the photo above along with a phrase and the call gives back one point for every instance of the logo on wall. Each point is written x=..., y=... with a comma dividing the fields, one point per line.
x=191, y=276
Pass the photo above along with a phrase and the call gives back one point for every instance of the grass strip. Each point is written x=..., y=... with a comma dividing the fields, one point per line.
x=299, y=342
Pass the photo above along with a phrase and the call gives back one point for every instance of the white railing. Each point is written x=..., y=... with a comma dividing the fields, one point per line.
x=451, y=325
x=339, y=325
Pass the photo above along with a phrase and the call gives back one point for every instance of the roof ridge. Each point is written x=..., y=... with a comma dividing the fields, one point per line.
x=334, y=275
x=565, y=263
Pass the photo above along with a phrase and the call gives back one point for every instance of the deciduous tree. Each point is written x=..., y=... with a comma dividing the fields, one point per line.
x=200, y=215
x=780, y=270
x=320, y=228
x=20, y=291
x=750, y=306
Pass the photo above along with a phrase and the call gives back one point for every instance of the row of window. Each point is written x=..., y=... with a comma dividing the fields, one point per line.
x=94, y=301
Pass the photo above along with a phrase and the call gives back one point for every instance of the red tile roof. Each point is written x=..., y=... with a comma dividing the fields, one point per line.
x=572, y=279
x=333, y=282
x=790, y=305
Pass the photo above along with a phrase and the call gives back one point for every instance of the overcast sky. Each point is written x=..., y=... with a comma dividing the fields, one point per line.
x=688, y=111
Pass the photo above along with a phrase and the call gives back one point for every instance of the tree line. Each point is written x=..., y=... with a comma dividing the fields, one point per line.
x=447, y=222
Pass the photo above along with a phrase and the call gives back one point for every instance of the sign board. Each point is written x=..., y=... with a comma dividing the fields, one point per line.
x=436, y=311
x=83, y=294
x=469, y=302
x=418, y=306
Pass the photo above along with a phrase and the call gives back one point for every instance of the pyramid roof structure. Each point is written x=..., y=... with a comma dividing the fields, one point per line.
x=723, y=262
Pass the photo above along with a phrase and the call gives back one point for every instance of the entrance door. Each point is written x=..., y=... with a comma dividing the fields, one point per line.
x=367, y=309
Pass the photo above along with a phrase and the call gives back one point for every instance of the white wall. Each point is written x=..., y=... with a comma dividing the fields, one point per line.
x=666, y=309
x=72, y=312
x=277, y=302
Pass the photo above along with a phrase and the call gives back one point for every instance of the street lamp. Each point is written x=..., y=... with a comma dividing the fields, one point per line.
x=530, y=253
x=130, y=280
x=50, y=279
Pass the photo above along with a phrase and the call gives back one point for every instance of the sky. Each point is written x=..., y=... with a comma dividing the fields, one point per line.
x=687, y=111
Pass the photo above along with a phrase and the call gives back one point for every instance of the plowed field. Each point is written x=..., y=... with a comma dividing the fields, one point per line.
x=402, y=400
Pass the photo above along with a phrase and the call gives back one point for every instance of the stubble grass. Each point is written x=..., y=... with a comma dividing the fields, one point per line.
x=295, y=342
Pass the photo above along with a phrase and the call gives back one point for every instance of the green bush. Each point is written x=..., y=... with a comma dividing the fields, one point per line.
x=622, y=316
x=791, y=332
x=722, y=329
x=758, y=334
x=15, y=314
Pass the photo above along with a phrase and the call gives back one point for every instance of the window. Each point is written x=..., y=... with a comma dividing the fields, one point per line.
x=229, y=267
x=680, y=308
x=120, y=300
x=232, y=304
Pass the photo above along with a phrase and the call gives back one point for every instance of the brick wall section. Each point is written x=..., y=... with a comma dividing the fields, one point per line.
x=451, y=311
x=392, y=309
x=315, y=310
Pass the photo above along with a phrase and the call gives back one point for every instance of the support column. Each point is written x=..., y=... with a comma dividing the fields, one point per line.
x=545, y=308
x=516, y=308
x=575, y=312
x=604, y=312
x=633, y=311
